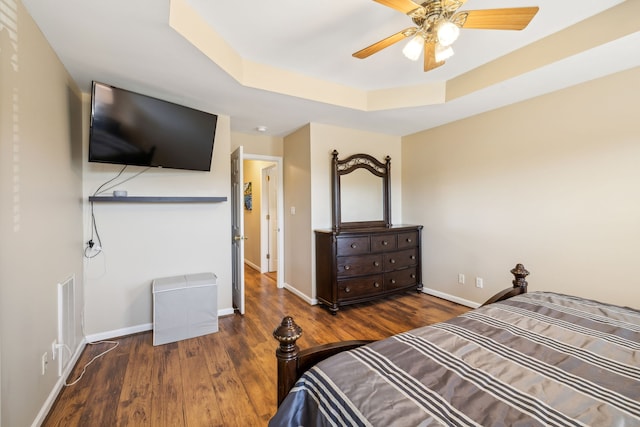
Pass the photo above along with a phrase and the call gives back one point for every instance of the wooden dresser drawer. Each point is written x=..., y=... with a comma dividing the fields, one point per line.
x=400, y=278
x=357, y=265
x=400, y=259
x=383, y=242
x=355, y=288
x=353, y=245
x=408, y=240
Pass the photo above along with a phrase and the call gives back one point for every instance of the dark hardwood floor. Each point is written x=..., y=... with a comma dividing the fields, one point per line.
x=227, y=378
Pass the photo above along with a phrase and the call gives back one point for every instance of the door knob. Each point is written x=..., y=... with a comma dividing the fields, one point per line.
x=237, y=238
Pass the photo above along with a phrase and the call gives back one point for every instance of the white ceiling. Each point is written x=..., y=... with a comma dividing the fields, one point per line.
x=129, y=43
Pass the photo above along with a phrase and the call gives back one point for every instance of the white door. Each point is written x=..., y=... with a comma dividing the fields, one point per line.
x=237, y=230
x=272, y=178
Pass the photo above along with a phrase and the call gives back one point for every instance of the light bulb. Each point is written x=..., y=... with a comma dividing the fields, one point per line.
x=443, y=52
x=413, y=49
x=448, y=33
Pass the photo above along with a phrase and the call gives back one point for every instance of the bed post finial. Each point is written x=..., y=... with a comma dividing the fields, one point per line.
x=287, y=334
x=287, y=355
x=519, y=286
x=520, y=274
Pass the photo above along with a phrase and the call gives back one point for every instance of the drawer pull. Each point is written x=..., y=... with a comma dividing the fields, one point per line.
x=376, y=285
x=347, y=267
x=413, y=276
x=409, y=240
x=393, y=281
x=392, y=261
x=412, y=257
x=376, y=264
x=353, y=245
x=347, y=289
x=385, y=243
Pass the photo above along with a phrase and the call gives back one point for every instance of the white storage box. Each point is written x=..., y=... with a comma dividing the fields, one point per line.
x=184, y=307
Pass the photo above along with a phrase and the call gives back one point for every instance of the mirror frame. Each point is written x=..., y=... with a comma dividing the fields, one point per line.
x=377, y=168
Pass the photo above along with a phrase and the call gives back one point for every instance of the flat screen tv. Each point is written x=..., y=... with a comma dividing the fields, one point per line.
x=129, y=128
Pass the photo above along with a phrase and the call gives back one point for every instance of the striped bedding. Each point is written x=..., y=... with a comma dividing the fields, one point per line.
x=538, y=359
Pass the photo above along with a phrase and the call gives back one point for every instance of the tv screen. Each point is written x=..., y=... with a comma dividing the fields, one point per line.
x=129, y=128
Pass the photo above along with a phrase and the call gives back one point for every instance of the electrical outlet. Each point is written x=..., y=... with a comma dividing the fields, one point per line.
x=461, y=278
x=45, y=362
x=54, y=349
x=479, y=282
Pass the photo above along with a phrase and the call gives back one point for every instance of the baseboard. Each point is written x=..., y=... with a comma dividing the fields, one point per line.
x=115, y=333
x=119, y=332
x=451, y=298
x=226, y=311
x=311, y=301
x=57, y=388
x=252, y=265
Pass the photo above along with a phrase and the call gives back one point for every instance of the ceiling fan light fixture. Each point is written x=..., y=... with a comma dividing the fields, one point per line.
x=448, y=32
x=413, y=49
x=442, y=53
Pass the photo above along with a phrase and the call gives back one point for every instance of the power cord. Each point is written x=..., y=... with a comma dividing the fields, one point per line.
x=119, y=183
x=107, y=182
x=84, y=369
x=94, y=247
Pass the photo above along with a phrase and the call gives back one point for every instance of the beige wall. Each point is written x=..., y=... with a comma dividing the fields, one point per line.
x=297, y=226
x=325, y=139
x=257, y=144
x=144, y=241
x=40, y=211
x=551, y=182
x=307, y=188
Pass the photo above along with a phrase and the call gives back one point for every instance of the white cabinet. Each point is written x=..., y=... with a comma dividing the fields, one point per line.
x=184, y=307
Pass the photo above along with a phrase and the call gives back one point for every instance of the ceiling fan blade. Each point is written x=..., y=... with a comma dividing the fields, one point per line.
x=404, y=6
x=514, y=18
x=377, y=47
x=430, y=57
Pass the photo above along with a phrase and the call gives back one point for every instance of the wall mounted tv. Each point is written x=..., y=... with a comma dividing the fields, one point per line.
x=129, y=128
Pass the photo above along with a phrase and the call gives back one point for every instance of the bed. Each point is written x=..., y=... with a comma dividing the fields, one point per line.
x=521, y=359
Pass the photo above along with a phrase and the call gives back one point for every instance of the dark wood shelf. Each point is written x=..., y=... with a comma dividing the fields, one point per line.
x=157, y=199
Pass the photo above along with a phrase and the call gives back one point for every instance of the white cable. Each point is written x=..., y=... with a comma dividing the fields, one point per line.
x=84, y=369
x=121, y=182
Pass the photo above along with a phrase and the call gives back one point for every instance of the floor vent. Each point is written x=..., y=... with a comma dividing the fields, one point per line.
x=66, y=323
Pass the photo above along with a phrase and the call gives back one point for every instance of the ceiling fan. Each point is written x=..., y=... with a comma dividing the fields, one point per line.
x=438, y=24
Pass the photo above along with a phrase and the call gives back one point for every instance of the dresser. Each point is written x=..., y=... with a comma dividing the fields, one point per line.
x=363, y=264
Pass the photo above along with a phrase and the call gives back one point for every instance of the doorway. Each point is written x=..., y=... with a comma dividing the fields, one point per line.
x=262, y=214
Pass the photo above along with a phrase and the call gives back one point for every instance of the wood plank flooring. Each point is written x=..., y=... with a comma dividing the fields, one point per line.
x=227, y=378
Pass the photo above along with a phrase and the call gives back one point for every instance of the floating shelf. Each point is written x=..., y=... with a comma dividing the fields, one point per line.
x=157, y=199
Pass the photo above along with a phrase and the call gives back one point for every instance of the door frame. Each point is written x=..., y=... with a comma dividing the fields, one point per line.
x=268, y=204
x=279, y=208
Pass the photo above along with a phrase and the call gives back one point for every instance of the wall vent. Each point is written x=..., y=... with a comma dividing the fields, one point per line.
x=66, y=323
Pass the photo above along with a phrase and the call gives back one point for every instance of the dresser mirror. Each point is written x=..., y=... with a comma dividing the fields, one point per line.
x=361, y=186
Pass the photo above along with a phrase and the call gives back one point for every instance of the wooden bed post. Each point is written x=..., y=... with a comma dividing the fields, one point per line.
x=287, y=355
x=519, y=285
